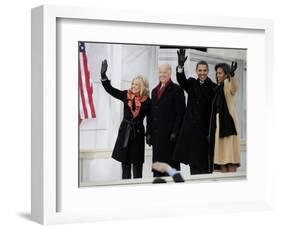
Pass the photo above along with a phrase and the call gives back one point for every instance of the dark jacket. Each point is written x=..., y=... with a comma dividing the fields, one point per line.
x=192, y=146
x=167, y=115
x=129, y=146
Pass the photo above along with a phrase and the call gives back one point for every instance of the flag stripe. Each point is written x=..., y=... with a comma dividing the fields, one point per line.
x=87, y=110
x=82, y=115
x=88, y=85
x=82, y=95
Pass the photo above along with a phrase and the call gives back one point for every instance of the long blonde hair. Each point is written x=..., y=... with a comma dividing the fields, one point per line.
x=144, y=85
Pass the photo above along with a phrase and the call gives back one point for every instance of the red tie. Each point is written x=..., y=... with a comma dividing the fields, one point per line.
x=160, y=91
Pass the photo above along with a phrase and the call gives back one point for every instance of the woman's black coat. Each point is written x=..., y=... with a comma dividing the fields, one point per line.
x=192, y=145
x=167, y=115
x=133, y=128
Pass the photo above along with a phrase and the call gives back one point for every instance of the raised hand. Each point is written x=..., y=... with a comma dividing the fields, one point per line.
x=233, y=68
x=181, y=57
x=103, y=69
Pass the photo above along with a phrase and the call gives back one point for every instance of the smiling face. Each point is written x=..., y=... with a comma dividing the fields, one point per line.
x=202, y=72
x=135, y=88
x=164, y=73
x=221, y=76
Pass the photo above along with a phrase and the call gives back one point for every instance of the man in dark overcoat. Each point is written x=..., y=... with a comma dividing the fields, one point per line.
x=168, y=105
x=192, y=145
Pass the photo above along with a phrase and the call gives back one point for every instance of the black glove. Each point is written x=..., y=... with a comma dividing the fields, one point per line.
x=233, y=68
x=173, y=137
x=103, y=70
x=148, y=139
x=181, y=57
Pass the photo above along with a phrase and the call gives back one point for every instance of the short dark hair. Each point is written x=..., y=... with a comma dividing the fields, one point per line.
x=225, y=67
x=202, y=63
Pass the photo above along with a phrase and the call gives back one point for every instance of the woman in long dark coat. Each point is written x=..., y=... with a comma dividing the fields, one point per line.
x=129, y=146
x=192, y=145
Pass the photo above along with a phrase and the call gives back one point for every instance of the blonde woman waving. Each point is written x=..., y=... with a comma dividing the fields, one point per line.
x=129, y=146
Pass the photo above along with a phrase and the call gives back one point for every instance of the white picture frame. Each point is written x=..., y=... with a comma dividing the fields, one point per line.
x=56, y=197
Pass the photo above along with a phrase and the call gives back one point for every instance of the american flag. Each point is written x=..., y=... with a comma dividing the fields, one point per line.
x=87, y=109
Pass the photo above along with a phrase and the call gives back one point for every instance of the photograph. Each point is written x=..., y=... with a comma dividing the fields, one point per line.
x=137, y=115
x=160, y=113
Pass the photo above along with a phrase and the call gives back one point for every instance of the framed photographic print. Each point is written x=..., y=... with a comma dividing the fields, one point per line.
x=114, y=92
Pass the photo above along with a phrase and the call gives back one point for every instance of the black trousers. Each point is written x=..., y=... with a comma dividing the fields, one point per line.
x=194, y=171
x=126, y=170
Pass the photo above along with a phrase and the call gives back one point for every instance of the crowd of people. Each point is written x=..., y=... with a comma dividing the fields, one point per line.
x=202, y=133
